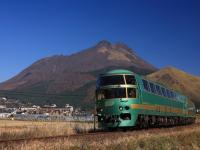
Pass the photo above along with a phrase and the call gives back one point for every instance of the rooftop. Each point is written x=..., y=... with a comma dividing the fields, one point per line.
x=118, y=71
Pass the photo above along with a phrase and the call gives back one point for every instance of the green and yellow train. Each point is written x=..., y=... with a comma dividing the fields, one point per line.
x=125, y=99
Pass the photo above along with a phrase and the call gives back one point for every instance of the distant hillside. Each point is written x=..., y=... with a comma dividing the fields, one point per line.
x=179, y=80
x=71, y=79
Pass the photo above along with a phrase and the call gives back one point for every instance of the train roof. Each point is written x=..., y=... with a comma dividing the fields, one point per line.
x=117, y=71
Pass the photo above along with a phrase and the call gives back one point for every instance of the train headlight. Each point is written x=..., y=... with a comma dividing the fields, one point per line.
x=127, y=107
x=120, y=108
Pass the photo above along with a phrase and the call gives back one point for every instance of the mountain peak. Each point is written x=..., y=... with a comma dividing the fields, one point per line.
x=122, y=46
x=108, y=46
x=104, y=43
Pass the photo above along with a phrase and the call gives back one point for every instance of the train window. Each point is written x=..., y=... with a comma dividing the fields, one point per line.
x=100, y=95
x=172, y=94
x=131, y=93
x=114, y=93
x=164, y=92
x=168, y=93
x=146, y=85
x=130, y=79
x=180, y=98
x=111, y=80
x=175, y=96
x=152, y=86
x=158, y=89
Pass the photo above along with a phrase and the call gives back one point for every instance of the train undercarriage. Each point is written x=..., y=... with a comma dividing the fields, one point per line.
x=146, y=121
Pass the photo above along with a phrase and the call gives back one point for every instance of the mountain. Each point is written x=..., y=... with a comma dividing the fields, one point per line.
x=180, y=81
x=71, y=79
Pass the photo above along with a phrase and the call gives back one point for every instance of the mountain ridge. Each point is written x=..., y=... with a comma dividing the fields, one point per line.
x=71, y=79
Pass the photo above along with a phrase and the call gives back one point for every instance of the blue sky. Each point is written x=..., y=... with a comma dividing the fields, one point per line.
x=163, y=32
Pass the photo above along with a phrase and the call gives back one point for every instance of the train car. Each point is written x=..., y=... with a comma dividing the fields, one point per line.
x=125, y=100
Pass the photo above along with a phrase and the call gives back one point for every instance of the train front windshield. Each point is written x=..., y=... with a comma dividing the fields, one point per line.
x=116, y=80
x=111, y=93
x=111, y=80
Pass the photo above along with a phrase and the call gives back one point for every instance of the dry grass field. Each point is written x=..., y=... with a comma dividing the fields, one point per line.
x=11, y=129
x=174, y=138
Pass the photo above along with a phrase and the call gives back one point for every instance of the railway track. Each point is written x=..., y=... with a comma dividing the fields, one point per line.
x=48, y=138
x=99, y=133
